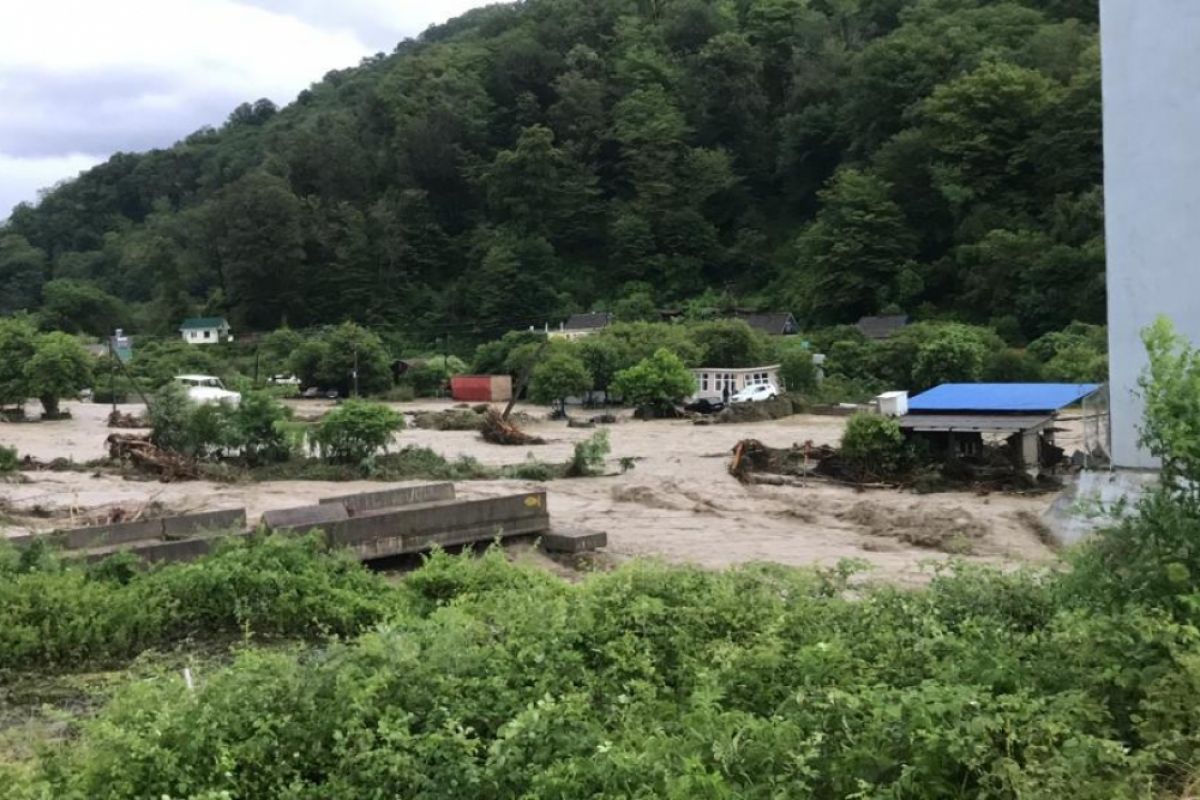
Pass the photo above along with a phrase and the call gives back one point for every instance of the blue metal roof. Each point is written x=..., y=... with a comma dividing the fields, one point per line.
x=1001, y=397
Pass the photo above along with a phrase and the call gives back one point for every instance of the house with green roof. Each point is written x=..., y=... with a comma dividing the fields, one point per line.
x=205, y=330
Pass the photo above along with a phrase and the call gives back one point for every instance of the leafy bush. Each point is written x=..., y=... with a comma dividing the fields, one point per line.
x=259, y=428
x=54, y=616
x=170, y=416
x=588, y=457
x=431, y=377
x=495, y=680
x=356, y=430
x=873, y=444
x=10, y=461
x=659, y=381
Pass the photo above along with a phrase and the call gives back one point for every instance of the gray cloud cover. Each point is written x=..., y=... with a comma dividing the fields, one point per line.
x=80, y=80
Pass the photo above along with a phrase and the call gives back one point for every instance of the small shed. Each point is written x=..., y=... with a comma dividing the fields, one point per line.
x=882, y=327
x=953, y=419
x=481, y=388
x=205, y=330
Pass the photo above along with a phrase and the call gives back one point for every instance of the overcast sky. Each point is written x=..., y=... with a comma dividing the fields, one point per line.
x=82, y=79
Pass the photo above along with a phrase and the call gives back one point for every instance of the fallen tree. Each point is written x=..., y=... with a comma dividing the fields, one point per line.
x=498, y=430
x=138, y=451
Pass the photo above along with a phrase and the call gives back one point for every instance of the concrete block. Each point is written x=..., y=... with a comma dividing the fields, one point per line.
x=190, y=524
x=357, y=504
x=101, y=535
x=165, y=551
x=419, y=527
x=305, y=518
x=574, y=540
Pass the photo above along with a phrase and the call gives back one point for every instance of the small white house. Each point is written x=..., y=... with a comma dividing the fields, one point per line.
x=721, y=383
x=205, y=330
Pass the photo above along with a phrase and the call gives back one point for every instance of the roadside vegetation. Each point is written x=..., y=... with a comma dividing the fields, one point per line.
x=475, y=677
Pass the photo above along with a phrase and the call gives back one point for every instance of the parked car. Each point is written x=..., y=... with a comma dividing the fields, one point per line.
x=705, y=406
x=208, y=389
x=284, y=380
x=756, y=393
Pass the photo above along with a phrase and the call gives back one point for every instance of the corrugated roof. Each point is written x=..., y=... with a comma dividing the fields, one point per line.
x=203, y=322
x=975, y=423
x=1001, y=398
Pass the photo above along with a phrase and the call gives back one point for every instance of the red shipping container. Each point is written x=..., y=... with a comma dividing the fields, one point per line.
x=481, y=388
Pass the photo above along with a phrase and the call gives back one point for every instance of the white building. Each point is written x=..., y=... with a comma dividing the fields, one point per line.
x=205, y=330
x=1151, y=65
x=721, y=383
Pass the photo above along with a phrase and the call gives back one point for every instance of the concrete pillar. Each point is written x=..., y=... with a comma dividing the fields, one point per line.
x=1151, y=65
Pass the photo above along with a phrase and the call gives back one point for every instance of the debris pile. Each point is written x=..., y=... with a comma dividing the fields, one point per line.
x=498, y=430
x=146, y=456
x=754, y=462
x=116, y=419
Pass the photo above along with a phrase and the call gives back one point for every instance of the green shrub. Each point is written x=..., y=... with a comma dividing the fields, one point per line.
x=9, y=460
x=588, y=456
x=259, y=428
x=54, y=616
x=873, y=444
x=356, y=430
x=170, y=415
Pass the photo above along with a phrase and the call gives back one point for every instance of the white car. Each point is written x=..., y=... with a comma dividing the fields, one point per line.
x=755, y=393
x=208, y=389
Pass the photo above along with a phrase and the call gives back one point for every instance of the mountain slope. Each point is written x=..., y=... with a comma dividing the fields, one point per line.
x=832, y=157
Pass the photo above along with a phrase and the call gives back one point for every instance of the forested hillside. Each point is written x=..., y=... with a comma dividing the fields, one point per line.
x=829, y=157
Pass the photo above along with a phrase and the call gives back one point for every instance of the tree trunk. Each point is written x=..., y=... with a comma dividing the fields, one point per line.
x=49, y=406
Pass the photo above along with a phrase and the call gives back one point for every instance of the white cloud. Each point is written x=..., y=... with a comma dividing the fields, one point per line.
x=22, y=177
x=81, y=79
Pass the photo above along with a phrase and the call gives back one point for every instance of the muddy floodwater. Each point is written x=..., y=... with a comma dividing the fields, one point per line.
x=677, y=502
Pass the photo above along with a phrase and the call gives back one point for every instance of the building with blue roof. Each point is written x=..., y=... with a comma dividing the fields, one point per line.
x=953, y=419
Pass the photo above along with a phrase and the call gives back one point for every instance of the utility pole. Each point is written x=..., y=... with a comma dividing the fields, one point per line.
x=112, y=375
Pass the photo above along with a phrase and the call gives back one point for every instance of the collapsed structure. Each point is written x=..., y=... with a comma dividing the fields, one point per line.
x=952, y=420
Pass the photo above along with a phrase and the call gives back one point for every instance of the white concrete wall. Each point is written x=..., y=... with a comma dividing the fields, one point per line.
x=1151, y=62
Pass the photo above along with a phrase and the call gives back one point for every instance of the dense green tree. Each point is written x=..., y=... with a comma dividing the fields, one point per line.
x=730, y=343
x=559, y=376
x=80, y=307
x=59, y=368
x=857, y=256
x=659, y=382
x=22, y=272
x=954, y=355
x=255, y=226
x=18, y=338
